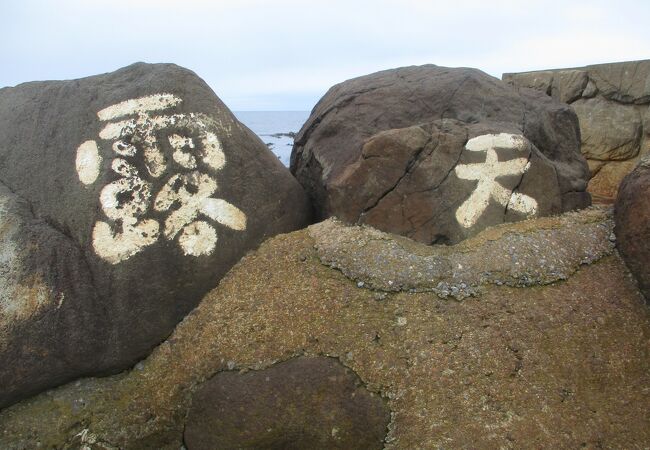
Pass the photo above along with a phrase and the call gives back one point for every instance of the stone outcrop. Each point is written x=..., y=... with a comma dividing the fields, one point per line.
x=612, y=102
x=126, y=197
x=438, y=154
x=553, y=357
x=300, y=403
x=633, y=223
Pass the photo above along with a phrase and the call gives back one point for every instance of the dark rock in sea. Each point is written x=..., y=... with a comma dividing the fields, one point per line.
x=300, y=403
x=290, y=134
x=438, y=154
x=632, y=213
x=127, y=196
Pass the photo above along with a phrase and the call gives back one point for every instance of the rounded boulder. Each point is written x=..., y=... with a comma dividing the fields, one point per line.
x=146, y=190
x=438, y=154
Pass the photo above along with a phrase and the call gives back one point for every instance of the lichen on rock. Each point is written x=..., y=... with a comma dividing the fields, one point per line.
x=516, y=255
x=558, y=365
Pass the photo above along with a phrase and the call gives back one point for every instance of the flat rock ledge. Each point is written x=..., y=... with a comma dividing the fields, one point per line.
x=524, y=254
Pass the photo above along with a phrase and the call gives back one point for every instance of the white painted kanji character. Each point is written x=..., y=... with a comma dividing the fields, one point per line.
x=126, y=200
x=486, y=174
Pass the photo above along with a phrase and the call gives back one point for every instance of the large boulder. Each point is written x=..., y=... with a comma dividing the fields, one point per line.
x=611, y=101
x=633, y=223
x=550, y=348
x=438, y=154
x=126, y=197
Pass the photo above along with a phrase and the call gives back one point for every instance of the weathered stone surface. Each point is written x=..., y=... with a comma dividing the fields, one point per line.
x=565, y=86
x=613, y=115
x=569, y=85
x=558, y=365
x=540, y=80
x=605, y=183
x=548, y=252
x=300, y=403
x=610, y=131
x=633, y=223
x=627, y=82
x=133, y=193
x=623, y=82
x=488, y=179
x=590, y=90
x=433, y=153
x=595, y=166
x=48, y=304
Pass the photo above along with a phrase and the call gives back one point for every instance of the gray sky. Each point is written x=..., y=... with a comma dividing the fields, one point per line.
x=284, y=54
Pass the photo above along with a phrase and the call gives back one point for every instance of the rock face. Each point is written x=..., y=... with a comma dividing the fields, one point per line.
x=300, y=403
x=438, y=154
x=554, y=357
x=127, y=197
x=633, y=223
x=612, y=102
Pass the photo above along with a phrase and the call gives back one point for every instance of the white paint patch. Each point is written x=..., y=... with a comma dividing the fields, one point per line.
x=113, y=130
x=154, y=102
x=494, y=141
x=154, y=159
x=190, y=191
x=198, y=238
x=125, y=198
x=212, y=152
x=117, y=247
x=523, y=204
x=88, y=162
x=185, y=195
x=486, y=173
x=224, y=213
x=182, y=147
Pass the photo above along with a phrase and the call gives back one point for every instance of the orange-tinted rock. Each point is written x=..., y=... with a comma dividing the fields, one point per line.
x=604, y=185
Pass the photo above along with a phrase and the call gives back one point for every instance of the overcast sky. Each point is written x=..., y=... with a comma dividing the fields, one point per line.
x=284, y=54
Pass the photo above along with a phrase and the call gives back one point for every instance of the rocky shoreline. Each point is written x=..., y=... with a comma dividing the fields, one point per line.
x=433, y=277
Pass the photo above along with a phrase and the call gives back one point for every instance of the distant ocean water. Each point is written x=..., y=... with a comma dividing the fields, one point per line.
x=275, y=128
